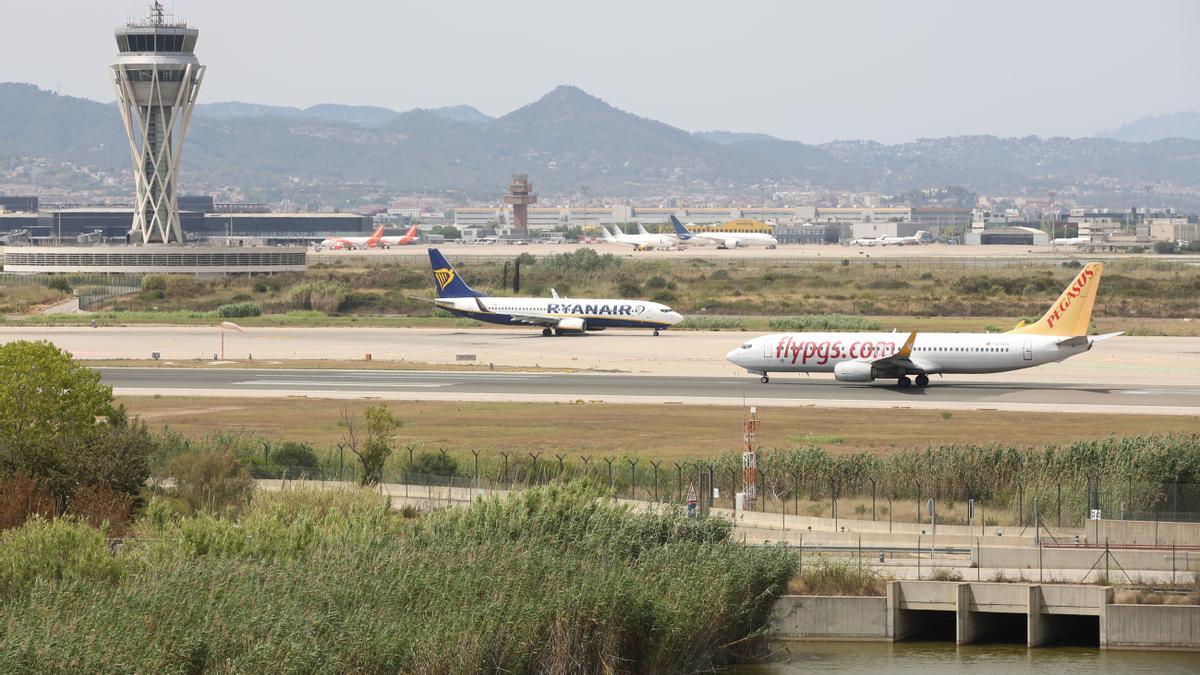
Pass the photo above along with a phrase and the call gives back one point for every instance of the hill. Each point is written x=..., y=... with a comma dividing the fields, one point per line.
x=1161, y=127
x=344, y=155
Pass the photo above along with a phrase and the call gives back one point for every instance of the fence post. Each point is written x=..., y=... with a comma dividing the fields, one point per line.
x=632, y=477
x=655, y=464
x=679, y=479
x=609, y=460
x=504, y=454
x=533, y=472
x=560, y=464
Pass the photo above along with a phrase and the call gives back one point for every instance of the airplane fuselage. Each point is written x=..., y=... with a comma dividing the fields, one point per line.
x=946, y=353
x=596, y=314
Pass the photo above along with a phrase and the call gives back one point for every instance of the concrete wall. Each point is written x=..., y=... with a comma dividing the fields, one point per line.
x=830, y=618
x=1151, y=626
x=1085, y=558
x=1142, y=532
x=1049, y=612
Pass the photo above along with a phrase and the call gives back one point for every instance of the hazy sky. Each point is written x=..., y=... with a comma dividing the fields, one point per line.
x=889, y=71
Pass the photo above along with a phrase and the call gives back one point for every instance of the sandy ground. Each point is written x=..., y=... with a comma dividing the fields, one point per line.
x=1117, y=362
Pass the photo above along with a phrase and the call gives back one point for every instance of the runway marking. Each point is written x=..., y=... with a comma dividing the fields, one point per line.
x=335, y=383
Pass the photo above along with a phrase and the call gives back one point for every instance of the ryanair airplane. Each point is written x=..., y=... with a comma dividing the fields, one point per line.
x=555, y=315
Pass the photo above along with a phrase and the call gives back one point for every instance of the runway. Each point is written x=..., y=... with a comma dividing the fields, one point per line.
x=651, y=389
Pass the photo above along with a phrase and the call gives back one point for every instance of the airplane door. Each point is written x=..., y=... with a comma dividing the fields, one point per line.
x=1029, y=350
x=768, y=349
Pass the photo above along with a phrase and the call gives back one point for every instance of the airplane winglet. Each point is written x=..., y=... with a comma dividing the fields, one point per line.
x=906, y=350
x=1105, y=336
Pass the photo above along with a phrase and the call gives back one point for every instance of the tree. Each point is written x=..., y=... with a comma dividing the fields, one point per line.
x=373, y=450
x=45, y=394
x=297, y=460
x=49, y=406
x=434, y=464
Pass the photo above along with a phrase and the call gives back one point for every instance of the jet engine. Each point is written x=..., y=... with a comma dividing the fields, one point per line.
x=854, y=371
x=572, y=324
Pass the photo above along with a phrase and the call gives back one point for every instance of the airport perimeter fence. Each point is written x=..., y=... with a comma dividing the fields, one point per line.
x=91, y=289
x=1065, y=503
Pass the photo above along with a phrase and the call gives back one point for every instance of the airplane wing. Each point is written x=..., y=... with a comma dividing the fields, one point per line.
x=528, y=319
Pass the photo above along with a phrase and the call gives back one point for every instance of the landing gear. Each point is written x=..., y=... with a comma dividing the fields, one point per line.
x=764, y=379
x=558, y=332
x=655, y=332
x=922, y=380
x=904, y=382
x=546, y=332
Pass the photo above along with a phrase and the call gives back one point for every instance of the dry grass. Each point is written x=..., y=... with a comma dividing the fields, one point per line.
x=665, y=432
x=22, y=299
x=334, y=364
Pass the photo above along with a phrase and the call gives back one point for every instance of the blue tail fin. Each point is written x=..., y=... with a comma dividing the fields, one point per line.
x=680, y=230
x=446, y=280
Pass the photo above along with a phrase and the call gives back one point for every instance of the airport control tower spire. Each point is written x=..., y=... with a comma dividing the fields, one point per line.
x=156, y=79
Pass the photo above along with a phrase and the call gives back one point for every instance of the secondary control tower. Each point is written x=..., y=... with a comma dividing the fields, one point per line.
x=156, y=79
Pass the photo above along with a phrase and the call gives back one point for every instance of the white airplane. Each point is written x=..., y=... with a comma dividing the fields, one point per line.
x=725, y=239
x=640, y=242
x=865, y=357
x=348, y=243
x=555, y=315
x=1071, y=241
x=920, y=237
x=402, y=240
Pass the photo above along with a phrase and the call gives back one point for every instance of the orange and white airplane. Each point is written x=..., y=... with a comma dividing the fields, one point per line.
x=349, y=243
x=864, y=357
x=403, y=240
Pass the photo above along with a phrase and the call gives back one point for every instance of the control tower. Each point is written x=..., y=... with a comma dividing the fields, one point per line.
x=156, y=79
x=520, y=196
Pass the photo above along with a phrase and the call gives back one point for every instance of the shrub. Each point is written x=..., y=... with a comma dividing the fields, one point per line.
x=238, y=310
x=260, y=287
x=211, y=480
x=59, y=283
x=710, y=323
x=823, y=322
x=434, y=464
x=154, y=282
x=324, y=296
x=656, y=282
x=294, y=458
x=63, y=549
x=945, y=574
x=628, y=289
x=103, y=508
x=838, y=577
x=22, y=497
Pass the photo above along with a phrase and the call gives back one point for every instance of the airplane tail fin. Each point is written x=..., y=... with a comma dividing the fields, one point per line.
x=680, y=230
x=641, y=230
x=1070, y=315
x=605, y=233
x=376, y=235
x=446, y=280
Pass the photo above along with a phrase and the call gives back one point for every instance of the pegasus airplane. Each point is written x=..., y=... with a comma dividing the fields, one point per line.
x=349, y=243
x=555, y=315
x=865, y=357
x=724, y=239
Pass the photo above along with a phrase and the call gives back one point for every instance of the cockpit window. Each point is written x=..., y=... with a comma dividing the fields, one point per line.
x=747, y=345
x=665, y=310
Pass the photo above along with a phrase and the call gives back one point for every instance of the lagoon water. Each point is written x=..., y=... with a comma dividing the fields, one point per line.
x=934, y=658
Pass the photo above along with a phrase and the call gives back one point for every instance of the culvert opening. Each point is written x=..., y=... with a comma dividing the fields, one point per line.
x=928, y=625
x=1072, y=631
x=999, y=628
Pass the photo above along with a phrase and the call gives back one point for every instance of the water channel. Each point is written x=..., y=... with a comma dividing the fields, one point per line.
x=932, y=658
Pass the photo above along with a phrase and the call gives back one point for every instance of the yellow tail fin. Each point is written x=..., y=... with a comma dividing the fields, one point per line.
x=1070, y=315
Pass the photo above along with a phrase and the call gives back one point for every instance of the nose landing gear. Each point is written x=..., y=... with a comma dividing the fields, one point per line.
x=764, y=379
x=655, y=332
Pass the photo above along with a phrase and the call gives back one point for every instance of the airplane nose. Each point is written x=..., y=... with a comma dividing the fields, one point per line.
x=676, y=317
x=734, y=356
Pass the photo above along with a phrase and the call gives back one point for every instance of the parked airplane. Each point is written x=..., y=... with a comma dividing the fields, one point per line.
x=1071, y=241
x=555, y=315
x=403, y=240
x=920, y=237
x=347, y=243
x=725, y=239
x=640, y=242
x=865, y=357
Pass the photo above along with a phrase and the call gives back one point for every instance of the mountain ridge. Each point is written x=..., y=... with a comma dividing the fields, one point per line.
x=565, y=139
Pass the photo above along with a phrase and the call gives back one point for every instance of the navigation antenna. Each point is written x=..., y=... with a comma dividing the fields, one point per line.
x=750, y=461
x=157, y=13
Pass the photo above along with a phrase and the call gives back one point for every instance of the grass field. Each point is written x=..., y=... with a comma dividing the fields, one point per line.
x=658, y=431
